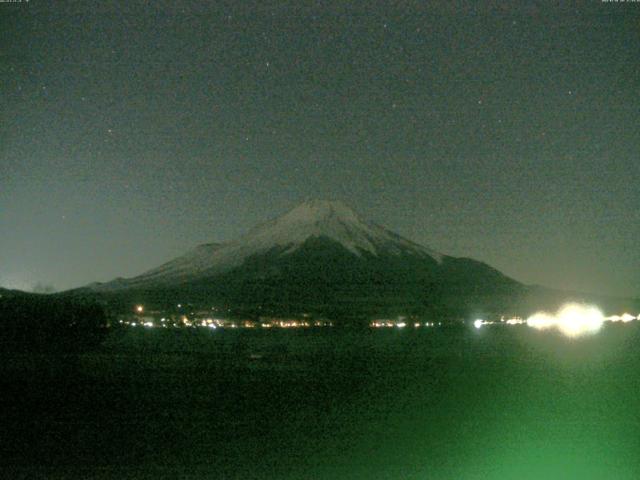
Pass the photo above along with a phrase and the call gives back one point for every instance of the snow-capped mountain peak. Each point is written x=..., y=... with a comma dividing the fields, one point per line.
x=314, y=210
x=332, y=220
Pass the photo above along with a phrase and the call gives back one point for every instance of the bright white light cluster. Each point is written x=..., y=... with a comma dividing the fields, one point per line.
x=625, y=317
x=479, y=323
x=572, y=320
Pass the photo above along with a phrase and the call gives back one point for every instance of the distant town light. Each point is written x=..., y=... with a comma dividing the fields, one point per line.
x=627, y=317
x=541, y=321
x=478, y=323
x=572, y=320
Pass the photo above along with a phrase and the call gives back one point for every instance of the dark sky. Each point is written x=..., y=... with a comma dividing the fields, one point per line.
x=132, y=131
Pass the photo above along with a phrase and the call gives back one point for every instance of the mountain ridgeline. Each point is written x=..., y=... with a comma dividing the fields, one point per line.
x=321, y=258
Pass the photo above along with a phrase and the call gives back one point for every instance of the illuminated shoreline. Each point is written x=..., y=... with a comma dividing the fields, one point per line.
x=572, y=320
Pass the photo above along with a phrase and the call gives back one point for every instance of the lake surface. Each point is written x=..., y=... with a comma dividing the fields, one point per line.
x=495, y=403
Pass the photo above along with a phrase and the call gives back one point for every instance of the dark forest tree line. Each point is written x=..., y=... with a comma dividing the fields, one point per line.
x=50, y=323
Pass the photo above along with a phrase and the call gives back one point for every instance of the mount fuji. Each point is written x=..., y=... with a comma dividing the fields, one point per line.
x=321, y=257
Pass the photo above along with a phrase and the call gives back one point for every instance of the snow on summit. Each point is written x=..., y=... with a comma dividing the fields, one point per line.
x=311, y=219
x=331, y=219
x=316, y=218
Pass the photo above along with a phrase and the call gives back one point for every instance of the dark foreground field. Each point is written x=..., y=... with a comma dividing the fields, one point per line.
x=332, y=404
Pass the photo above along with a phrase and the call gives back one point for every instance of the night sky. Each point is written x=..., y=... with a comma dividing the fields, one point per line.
x=132, y=131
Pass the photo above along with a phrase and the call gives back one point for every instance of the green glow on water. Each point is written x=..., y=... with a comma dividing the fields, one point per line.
x=522, y=405
x=479, y=404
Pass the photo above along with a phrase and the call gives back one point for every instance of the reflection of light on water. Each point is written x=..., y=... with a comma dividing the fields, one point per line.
x=572, y=319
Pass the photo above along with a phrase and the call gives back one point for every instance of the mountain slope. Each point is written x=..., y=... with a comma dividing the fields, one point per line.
x=322, y=257
x=286, y=234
